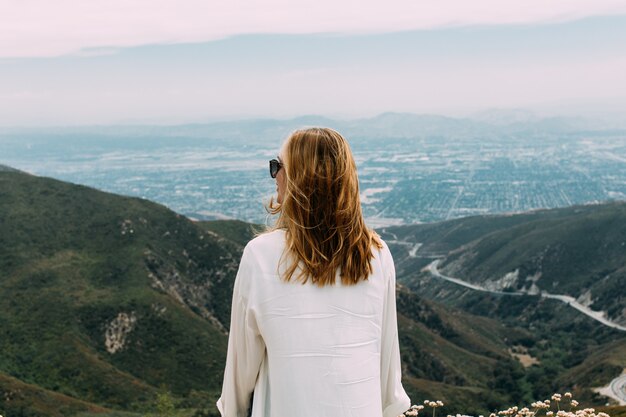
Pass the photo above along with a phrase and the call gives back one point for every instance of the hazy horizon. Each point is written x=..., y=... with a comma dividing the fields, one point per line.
x=110, y=63
x=594, y=119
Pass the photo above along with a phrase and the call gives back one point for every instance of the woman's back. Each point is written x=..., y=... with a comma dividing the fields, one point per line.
x=313, y=323
x=325, y=351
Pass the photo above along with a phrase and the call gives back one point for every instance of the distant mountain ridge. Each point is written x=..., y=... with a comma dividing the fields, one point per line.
x=386, y=125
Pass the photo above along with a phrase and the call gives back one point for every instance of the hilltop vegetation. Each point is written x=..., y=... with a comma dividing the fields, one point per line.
x=581, y=253
x=106, y=298
x=577, y=251
x=108, y=301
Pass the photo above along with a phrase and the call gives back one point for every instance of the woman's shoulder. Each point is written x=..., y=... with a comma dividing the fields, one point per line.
x=269, y=237
x=379, y=245
x=271, y=241
x=382, y=243
x=381, y=251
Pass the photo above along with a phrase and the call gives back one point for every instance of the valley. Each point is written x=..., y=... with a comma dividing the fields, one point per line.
x=412, y=168
x=510, y=271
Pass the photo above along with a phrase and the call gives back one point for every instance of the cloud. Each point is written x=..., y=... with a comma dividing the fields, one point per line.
x=43, y=28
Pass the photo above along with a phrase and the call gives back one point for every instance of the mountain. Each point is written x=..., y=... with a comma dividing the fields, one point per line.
x=513, y=262
x=578, y=251
x=107, y=301
x=503, y=117
x=496, y=123
x=106, y=298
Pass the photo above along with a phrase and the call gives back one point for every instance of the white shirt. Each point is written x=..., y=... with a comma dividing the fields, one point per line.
x=309, y=351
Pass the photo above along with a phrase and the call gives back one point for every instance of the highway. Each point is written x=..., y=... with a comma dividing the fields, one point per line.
x=570, y=301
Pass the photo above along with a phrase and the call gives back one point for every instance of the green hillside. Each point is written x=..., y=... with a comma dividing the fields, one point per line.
x=106, y=301
x=81, y=268
x=456, y=357
x=577, y=251
x=582, y=254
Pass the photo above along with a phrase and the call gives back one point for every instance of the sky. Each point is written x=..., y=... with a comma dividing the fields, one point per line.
x=72, y=62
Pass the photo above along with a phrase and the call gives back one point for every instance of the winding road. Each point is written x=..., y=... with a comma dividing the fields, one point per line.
x=413, y=248
x=571, y=301
x=616, y=388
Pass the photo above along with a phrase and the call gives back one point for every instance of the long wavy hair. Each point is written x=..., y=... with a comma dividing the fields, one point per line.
x=321, y=210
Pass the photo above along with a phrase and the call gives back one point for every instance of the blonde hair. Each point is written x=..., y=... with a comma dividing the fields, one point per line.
x=321, y=210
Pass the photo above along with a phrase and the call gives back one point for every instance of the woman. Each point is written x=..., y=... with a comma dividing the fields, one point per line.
x=313, y=325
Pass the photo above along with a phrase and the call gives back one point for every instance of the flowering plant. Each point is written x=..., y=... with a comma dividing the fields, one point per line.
x=536, y=408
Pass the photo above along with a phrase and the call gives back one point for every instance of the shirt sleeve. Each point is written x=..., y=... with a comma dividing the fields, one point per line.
x=246, y=347
x=395, y=401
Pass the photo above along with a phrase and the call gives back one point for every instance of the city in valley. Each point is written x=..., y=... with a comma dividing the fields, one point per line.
x=406, y=176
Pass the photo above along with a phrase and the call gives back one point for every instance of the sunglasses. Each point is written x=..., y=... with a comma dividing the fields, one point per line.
x=275, y=166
